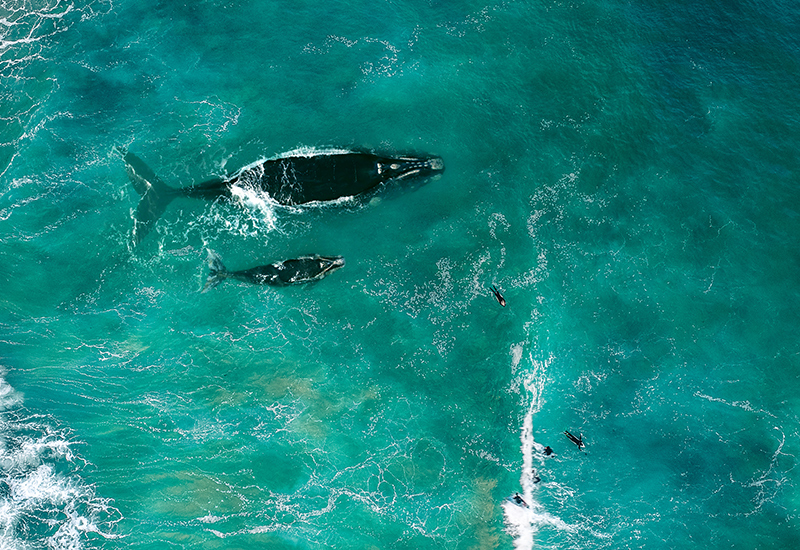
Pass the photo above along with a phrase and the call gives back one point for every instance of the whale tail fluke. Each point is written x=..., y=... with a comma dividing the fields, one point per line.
x=217, y=272
x=156, y=195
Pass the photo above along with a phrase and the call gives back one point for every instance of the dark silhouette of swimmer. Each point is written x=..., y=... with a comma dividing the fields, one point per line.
x=576, y=440
x=498, y=296
x=548, y=451
x=519, y=501
x=536, y=478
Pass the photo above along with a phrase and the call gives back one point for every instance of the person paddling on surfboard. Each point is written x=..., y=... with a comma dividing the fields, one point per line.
x=498, y=296
x=576, y=440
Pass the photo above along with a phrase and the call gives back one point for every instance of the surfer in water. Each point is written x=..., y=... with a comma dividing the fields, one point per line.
x=518, y=500
x=498, y=296
x=576, y=440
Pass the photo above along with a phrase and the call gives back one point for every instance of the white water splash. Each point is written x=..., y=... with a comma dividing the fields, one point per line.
x=41, y=506
x=524, y=521
x=261, y=203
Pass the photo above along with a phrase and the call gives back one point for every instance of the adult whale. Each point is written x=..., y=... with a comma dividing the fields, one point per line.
x=289, y=180
x=289, y=272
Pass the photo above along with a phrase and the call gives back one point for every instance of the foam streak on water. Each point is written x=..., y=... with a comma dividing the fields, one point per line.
x=43, y=500
x=523, y=522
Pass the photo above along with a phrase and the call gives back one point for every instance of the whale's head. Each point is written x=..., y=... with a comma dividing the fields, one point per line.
x=407, y=168
x=328, y=264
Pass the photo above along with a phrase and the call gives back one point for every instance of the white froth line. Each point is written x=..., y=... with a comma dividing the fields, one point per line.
x=744, y=405
x=524, y=522
x=305, y=152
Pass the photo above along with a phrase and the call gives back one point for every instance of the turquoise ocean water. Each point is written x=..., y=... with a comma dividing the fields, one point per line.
x=625, y=172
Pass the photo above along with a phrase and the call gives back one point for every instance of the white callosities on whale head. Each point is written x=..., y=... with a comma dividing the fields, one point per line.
x=328, y=264
x=409, y=167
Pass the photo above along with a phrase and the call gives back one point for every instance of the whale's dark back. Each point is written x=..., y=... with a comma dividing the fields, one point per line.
x=298, y=180
x=288, y=272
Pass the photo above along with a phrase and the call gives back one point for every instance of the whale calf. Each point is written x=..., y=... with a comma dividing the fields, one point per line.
x=289, y=180
x=290, y=272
